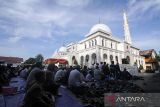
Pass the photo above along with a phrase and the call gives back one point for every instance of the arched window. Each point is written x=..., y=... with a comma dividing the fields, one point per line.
x=111, y=58
x=82, y=60
x=106, y=43
x=117, y=59
x=95, y=42
x=102, y=42
x=92, y=43
x=89, y=43
x=86, y=60
x=111, y=44
x=74, y=61
x=105, y=57
x=94, y=58
x=128, y=59
x=85, y=45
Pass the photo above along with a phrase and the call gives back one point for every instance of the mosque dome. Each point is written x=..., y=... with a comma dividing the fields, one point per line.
x=62, y=49
x=100, y=27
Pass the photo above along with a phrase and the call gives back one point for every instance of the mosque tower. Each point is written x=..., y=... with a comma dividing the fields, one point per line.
x=127, y=34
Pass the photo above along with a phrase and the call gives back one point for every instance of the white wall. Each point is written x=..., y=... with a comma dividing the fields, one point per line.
x=120, y=46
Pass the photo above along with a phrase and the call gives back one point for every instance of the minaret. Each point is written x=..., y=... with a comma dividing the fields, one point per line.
x=127, y=34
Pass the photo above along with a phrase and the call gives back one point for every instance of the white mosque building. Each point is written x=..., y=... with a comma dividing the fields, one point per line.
x=99, y=45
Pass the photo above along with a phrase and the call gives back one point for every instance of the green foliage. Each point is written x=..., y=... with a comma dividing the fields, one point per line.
x=135, y=63
x=39, y=58
x=158, y=57
x=140, y=67
x=30, y=61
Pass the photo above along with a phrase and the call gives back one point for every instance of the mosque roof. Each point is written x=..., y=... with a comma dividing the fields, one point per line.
x=100, y=27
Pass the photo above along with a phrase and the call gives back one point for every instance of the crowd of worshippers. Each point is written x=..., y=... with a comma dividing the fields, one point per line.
x=42, y=85
x=6, y=73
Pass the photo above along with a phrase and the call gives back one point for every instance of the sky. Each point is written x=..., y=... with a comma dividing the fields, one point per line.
x=30, y=27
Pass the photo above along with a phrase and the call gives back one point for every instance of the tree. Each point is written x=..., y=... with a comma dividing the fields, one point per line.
x=141, y=67
x=39, y=58
x=30, y=61
x=135, y=63
x=158, y=56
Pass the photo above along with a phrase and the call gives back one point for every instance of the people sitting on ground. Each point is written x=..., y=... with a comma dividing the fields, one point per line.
x=105, y=69
x=50, y=85
x=118, y=71
x=126, y=75
x=112, y=70
x=92, y=66
x=11, y=71
x=31, y=77
x=117, y=67
x=97, y=64
x=101, y=65
x=53, y=69
x=84, y=71
x=68, y=70
x=98, y=75
x=76, y=81
x=60, y=75
x=24, y=72
x=89, y=76
x=4, y=75
x=36, y=96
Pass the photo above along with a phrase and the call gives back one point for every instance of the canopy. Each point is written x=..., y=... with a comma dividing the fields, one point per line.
x=53, y=60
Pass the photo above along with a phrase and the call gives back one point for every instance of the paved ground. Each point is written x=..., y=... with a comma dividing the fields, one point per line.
x=151, y=82
x=66, y=100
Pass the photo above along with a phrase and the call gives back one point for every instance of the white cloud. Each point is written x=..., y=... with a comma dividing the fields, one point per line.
x=132, y=2
x=31, y=21
x=14, y=39
x=73, y=3
x=34, y=19
x=13, y=51
x=149, y=41
x=141, y=8
x=148, y=44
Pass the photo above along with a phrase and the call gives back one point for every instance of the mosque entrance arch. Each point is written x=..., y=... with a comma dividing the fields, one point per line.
x=111, y=58
x=128, y=59
x=82, y=61
x=86, y=60
x=74, y=61
x=105, y=57
x=94, y=58
x=117, y=59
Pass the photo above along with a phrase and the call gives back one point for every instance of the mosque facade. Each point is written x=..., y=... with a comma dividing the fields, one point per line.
x=100, y=45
